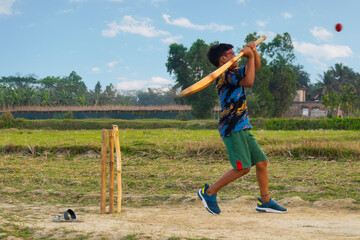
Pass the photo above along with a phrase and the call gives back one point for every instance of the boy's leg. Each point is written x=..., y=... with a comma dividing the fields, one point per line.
x=240, y=160
x=208, y=194
x=239, y=157
x=265, y=203
x=262, y=177
x=225, y=179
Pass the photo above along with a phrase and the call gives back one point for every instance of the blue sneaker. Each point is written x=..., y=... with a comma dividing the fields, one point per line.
x=269, y=207
x=209, y=201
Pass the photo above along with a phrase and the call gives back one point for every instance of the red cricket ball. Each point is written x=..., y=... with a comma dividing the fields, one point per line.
x=338, y=27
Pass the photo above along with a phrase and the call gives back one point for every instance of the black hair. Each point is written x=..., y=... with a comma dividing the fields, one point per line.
x=216, y=51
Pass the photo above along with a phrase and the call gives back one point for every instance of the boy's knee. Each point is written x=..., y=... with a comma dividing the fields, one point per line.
x=262, y=164
x=246, y=170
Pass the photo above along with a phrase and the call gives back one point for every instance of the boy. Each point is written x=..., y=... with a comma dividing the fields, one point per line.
x=234, y=126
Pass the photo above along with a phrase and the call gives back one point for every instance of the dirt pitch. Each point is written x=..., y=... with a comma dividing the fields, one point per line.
x=331, y=219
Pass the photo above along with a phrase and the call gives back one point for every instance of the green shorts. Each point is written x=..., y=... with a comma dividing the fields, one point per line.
x=243, y=150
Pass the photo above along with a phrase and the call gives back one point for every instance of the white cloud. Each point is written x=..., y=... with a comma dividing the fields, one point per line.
x=269, y=35
x=6, y=7
x=287, y=15
x=318, y=64
x=261, y=23
x=65, y=11
x=325, y=51
x=186, y=23
x=95, y=70
x=240, y=1
x=112, y=64
x=156, y=2
x=130, y=84
x=131, y=25
x=321, y=33
x=171, y=39
x=120, y=1
x=160, y=80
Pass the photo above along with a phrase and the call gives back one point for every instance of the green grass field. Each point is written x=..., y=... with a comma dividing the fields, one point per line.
x=167, y=166
x=64, y=166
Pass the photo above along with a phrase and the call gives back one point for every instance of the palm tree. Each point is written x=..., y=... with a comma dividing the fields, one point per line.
x=327, y=82
x=343, y=75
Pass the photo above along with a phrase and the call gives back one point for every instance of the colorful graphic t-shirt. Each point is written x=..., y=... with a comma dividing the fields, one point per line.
x=234, y=113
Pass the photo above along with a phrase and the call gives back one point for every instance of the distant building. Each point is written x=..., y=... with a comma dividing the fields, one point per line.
x=303, y=108
x=300, y=95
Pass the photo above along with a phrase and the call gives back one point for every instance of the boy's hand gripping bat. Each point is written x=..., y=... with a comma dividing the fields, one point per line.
x=206, y=81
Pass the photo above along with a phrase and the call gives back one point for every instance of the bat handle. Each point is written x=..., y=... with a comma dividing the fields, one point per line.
x=257, y=42
x=260, y=40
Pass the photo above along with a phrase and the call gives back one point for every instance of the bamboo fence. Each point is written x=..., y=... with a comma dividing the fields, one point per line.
x=103, y=108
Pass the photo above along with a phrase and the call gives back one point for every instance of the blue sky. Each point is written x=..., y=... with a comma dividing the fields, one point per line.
x=126, y=42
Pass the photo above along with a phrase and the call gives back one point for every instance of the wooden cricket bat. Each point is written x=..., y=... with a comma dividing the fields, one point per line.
x=206, y=81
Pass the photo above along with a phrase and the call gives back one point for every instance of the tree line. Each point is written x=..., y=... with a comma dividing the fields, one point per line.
x=275, y=84
x=272, y=94
x=72, y=91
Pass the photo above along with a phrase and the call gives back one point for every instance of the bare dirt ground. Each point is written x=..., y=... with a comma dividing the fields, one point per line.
x=331, y=219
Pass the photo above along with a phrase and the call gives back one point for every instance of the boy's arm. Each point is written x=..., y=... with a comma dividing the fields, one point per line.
x=248, y=80
x=252, y=45
x=257, y=60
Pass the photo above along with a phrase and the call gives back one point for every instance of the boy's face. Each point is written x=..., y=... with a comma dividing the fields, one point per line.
x=227, y=56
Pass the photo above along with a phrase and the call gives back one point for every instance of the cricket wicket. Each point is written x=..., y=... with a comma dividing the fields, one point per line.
x=113, y=141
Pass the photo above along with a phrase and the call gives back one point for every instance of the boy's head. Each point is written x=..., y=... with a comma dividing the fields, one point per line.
x=218, y=54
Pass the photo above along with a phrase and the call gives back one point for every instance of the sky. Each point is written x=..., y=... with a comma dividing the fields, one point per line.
x=126, y=42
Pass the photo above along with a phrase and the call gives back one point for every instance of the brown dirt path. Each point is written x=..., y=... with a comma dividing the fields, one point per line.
x=319, y=220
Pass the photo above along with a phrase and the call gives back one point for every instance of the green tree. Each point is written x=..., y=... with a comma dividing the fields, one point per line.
x=282, y=86
x=68, y=89
x=155, y=97
x=108, y=96
x=280, y=47
x=349, y=100
x=82, y=100
x=47, y=91
x=189, y=66
x=339, y=86
x=314, y=92
x=337, y=77
x=127, y=98
x=260, y=100
x=328, y=82
x=44, y=98
x=280, y=53
x=96, y=94
x=302, y=77
x=18, y=82
x=331, y=101
x=275, y=82
x=18, y=90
